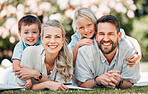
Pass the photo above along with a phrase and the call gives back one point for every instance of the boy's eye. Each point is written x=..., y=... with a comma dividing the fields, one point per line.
x=34, y=31
x=25, y=32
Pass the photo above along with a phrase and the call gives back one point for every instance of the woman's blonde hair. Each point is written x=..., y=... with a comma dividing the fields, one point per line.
x=63, y=61
x=83, y=12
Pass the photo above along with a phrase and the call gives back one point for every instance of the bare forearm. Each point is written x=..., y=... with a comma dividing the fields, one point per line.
x=44, y=78
x=126, y=84
x=136, y=44
x=87, y=84
x=39, y=86
x=75, y=52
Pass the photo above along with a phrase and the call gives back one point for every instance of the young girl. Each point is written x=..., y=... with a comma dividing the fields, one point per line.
x=84, y=25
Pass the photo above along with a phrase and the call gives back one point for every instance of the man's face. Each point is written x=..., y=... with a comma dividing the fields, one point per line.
x=107, y=37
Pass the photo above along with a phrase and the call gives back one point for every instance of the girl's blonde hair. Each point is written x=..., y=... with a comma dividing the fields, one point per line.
x=63, y=61
x=83, y=12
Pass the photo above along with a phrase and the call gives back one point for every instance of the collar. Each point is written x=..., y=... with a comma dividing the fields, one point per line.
x=102, y=57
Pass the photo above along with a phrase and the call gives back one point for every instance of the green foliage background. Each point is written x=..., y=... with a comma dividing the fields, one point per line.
x=136, y=27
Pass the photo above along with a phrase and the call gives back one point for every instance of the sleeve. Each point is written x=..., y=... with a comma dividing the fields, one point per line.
x=74, y=40
x=17, y=52
x=131, y=74
x=82, y=68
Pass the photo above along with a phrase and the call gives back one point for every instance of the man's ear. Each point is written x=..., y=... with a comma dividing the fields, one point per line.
x=63, y=38
x=119, y=36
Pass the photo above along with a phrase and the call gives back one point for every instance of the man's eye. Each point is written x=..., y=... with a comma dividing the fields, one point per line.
x=47, y=36
x=58, y=37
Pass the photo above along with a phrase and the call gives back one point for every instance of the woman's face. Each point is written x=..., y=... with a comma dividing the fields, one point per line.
x=86, y=27
x=52, y=39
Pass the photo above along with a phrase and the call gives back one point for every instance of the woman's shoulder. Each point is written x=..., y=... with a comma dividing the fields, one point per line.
x=34, y=49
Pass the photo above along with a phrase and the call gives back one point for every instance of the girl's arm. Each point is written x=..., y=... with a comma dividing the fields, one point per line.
x=80, y=43
x=136, y=57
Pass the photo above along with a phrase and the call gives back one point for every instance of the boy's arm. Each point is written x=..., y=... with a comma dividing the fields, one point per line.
x=16, y=65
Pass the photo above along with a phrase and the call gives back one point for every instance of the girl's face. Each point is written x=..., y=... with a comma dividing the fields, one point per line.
x=86, y=27
x=52, y=39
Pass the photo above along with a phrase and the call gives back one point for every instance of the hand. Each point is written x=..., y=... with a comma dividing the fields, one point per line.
x=25, y=73
x=28, y=85
x=55, y=85
x=115, y=77
x=84, y=41
x=16, y=68
x=106, y=80
x=133, y=59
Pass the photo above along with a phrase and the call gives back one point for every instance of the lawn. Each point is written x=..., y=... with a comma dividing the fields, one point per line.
x=133, y=90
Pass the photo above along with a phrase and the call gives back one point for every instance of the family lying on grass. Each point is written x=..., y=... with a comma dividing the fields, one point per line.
x=99, y=54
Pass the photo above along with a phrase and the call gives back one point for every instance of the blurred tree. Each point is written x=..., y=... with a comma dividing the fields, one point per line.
x=12, y=10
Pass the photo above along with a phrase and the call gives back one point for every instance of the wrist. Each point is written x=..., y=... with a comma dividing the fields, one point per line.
x=120, y=83
x=96, y=82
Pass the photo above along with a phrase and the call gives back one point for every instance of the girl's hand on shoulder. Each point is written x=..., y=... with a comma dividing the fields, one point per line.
x=133, y=59
x=85, y=41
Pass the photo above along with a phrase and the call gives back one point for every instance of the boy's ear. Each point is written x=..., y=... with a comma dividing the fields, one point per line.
x=119, y=36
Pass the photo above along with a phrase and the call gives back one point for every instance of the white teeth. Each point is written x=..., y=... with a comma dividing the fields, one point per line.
x=52, y=46
x=106, y=44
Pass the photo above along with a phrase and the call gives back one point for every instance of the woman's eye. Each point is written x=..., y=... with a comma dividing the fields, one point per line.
x=89, y=24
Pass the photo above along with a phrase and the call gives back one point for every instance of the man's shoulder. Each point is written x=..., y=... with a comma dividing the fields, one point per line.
x=126, y=44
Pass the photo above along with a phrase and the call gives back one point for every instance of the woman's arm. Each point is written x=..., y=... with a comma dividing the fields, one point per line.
x=49, y=85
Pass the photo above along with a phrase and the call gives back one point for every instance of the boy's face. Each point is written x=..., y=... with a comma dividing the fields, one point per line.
x=30, y=34
x=86, y=28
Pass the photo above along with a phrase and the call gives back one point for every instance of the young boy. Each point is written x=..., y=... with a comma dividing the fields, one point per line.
x=29, y=28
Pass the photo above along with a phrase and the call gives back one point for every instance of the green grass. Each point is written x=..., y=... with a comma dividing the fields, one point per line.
x=132, y=90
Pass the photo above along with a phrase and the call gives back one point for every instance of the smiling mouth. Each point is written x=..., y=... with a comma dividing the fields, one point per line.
x=31, y=40
x=52, y=47
x=88, y=34
x=106, y=44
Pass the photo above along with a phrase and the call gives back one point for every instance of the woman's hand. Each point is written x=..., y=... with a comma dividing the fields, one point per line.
x=133, y=59
x=56, y=86
x=26, y=73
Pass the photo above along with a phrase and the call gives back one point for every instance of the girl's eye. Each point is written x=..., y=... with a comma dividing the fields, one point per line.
x=81, y=28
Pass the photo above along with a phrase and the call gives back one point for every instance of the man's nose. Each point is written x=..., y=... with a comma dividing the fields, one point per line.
x=106, y=38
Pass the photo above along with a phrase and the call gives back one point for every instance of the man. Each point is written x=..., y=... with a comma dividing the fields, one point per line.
x=104, y=64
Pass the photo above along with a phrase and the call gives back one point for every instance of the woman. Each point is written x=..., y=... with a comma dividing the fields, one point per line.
x=50, y=64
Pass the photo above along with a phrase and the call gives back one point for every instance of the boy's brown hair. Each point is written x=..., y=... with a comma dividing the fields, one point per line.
x=29, y=20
